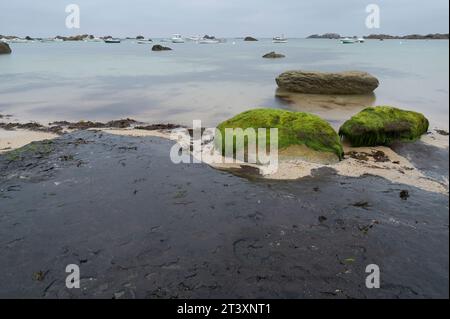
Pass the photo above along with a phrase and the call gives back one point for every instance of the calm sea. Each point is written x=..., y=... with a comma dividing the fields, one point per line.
x=98, y=81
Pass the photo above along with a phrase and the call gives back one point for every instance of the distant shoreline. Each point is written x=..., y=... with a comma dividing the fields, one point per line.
x=432, y=36
x=330, y=36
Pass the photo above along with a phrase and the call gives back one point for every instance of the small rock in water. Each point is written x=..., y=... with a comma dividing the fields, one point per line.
x=4, y=48
x=250, y=39
x=310, y=82
x=273, y=55
x=159, y=47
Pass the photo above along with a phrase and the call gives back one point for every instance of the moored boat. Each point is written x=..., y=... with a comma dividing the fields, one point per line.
x=148, y=41
x=348, y=41
x=281, y=39
x=112, y=40
x=208, y=41
x=177, y=38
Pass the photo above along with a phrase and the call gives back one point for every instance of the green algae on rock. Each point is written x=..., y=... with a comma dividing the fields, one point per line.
x=382, y=125
x=294, y=129
x=35, y=149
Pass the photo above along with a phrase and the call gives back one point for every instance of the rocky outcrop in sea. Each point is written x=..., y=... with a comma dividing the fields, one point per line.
x=351, y=82
x=4, y=48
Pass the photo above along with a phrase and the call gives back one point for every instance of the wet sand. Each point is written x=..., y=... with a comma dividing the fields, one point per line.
x=140, y=226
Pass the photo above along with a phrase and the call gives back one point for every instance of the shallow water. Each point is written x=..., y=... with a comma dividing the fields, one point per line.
x=98, y=81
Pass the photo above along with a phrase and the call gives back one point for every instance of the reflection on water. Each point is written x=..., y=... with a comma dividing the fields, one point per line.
x=79, y=80
x=334, y=108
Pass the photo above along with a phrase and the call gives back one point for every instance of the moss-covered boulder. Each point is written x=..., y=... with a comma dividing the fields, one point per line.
x=4, y=48
x=296, y=130
x=382, y=125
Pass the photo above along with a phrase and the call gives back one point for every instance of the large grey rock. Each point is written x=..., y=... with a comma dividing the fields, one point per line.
x=4, y=48
x=351, y=82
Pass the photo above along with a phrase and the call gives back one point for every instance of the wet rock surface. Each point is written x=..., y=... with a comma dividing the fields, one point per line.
x=159, y=47
x=429, y=159
x=5, y=48
x=352, y=82
x=140, y=226
x=273, y=55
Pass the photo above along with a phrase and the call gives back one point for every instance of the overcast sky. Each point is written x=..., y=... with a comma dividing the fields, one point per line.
x=227, y=18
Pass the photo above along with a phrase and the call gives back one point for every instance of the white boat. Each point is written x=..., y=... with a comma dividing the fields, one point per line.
x=148, y=41
x=177, y=38
x=361, y=40
x=112, y=40
x=348, y=41
x=209, y=41
x=281, y=39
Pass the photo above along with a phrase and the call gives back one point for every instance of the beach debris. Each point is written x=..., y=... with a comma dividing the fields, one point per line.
x=322, y=219
x=124, y=123
x=298, y=132
x=365, y=229
x=158, y=127
x=39, y=275
x=380, y=157
x=442, y=132
x=84, y=125
x=273, y=55
x=66, y=158
x=404, y=194
x=349, y=260
x=344, y=83
x=363, y=205
x=360, y=156
x=383, y=125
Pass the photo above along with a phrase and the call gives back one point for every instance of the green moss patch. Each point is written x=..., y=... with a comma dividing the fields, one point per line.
x=294, y=128
x=383, y=125
x=35, y=149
